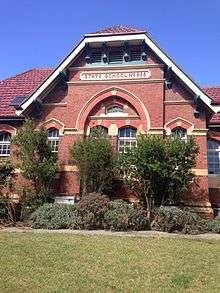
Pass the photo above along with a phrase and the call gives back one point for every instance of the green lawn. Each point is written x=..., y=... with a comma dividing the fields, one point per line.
x=72, y=263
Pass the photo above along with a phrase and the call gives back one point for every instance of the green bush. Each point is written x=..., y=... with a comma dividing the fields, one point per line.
x=173, y=219
x=214, y=225
x=29, y=202
x=122, y=216
x=92, y=209
x=56, y=216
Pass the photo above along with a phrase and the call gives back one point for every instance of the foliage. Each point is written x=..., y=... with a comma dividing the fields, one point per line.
x=159, y=169
x=36, y=159
x=94, y=159
x=122, y=216
x=92, y=209
x=214, y=225
x=29, y=201
x=173, y=219
x=6, y=170
x=56, y=216
x=7, y=204
x=3, y=208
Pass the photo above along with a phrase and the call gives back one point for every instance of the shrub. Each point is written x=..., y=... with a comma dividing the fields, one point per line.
x=36, y=160
x=214, y=225
x=8, y=209
x=173, y=219
x=3, y=208
x=122, y=216
x=194, y=224
x=92, y=209
x=29, y=201
x=159, y=169
x=94, y=159
x=56, y=216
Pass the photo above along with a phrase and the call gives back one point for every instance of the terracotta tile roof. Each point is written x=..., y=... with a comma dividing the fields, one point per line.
x=22, y=84
x=117, y=30
x=214, y=93
x=215, y=119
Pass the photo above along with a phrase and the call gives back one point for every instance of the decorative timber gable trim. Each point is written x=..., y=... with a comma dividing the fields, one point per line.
x=139, y=36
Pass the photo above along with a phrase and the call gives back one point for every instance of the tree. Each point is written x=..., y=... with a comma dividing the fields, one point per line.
x=94, y=159
x=7, y=205
x=6, y=170
x=36, y=159
x=159, y=169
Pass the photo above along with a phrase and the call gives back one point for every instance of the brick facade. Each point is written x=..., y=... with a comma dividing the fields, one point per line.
x=150, y=106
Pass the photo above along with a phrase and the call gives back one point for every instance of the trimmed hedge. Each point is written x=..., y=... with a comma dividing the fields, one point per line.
x=56, y=216
x=214, y=225
x=173, y=219
x=95, y=211
x=122, y=216
x=91, y=209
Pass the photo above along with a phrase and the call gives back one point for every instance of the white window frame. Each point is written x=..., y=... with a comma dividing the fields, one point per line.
x=213, y=157
x=5, y=144
x=54, y=139
x=127, y=142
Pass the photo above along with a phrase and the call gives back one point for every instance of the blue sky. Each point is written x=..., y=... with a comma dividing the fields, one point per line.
x=40, y=33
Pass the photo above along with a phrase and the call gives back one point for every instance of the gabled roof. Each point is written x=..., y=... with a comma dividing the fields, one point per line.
x=117, y=30
x=22, y=84
x=120, y=34
x=40, y=84
x=214, y=92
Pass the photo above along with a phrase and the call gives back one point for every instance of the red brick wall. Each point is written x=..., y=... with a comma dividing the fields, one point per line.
x=163, y=105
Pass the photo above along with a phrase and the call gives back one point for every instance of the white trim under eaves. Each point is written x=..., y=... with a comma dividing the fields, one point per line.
x=100, y=39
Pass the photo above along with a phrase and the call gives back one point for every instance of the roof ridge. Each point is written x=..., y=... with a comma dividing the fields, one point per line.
x=117, y=29
x=210, y=86
x=22, y=73
x=18, y=74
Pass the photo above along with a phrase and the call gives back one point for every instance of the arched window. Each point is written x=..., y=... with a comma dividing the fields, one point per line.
x=5, y=142
x=126, y=139
x=213, y=157
x=53, y=139
x=98, y=130
x=113, y=109
x=180, y=133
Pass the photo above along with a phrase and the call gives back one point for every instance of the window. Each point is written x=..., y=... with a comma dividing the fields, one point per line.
x=135, y=55
x=53, y=139
x=213, y=157
x=113, y=55
x=5, y=141
x=114, y=109
x=126, y=139
x=180, y=133
x=96, y=57
x=116, y=56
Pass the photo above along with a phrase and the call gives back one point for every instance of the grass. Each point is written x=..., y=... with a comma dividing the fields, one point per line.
x=72, y=263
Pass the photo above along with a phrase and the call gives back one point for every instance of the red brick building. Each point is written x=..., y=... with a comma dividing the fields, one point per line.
x=117, y=78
